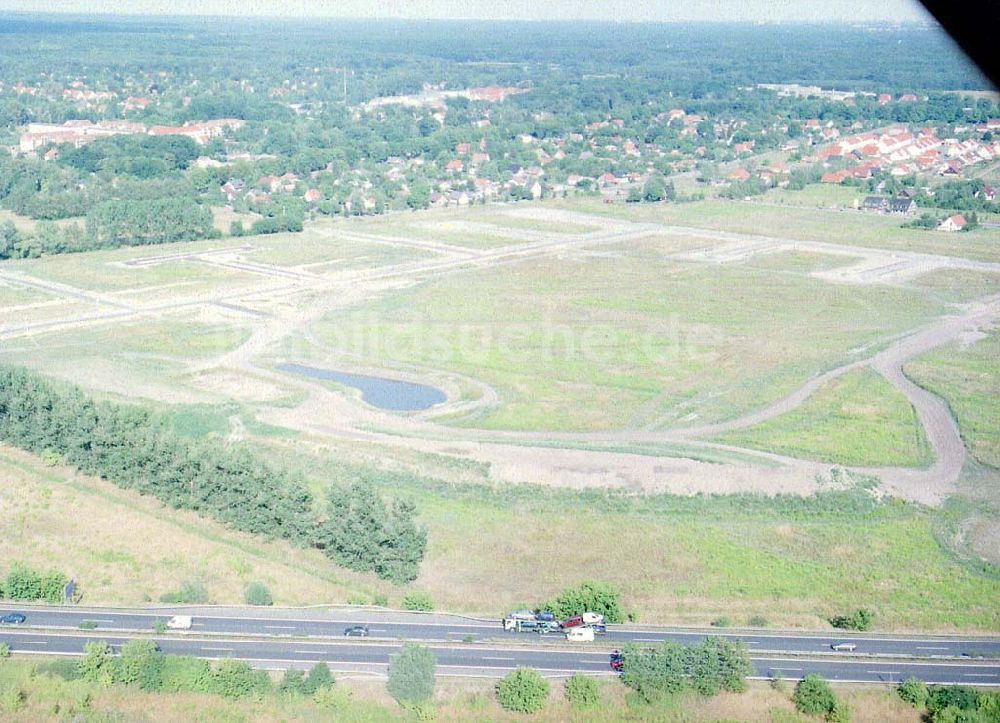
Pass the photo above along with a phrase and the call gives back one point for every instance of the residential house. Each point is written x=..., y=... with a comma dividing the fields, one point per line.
x=875, y=203
x=902, y=206
x=952, y=223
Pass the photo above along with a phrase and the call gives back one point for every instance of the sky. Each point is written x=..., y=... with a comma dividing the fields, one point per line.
x=613, y=10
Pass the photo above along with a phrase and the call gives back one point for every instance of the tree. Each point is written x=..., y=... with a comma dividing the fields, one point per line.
x=411, y=674
x=522, y=691
x=363, y=533
x=257, y=594
x=656, y=190
x=913, y=691
x=719, y=664
x=591, y=596
x=581, y=691
x=140, y=664
x=292, y=682
x=814, y=696
x=97, y=664
x=236, y=679
x=319, y=678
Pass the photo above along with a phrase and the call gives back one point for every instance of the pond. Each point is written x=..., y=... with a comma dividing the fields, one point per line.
x=390, y=394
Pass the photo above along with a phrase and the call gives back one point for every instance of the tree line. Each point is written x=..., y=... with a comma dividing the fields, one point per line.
x=135, y=449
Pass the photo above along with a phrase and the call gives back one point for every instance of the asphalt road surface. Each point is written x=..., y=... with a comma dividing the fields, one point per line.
x=484, y=660
x=395, y=626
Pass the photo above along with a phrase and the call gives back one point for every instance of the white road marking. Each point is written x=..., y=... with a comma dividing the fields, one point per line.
x=280, y=627
x=507, y=659
x=930, y=647
x=34, y=642
x=227, y=650
x=978, y=675
x=649, y=640
x=883, y=672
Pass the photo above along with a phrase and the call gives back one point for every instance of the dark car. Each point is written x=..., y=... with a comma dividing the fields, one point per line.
x=356, y=631
x=599, y=628
x=545, y=616
x=13, y=619
x=616, y=661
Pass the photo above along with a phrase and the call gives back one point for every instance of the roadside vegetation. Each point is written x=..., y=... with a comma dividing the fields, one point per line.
x=52, y=690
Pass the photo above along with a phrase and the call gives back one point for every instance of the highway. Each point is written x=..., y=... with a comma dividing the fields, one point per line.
x=488, y=660
x=441, y=627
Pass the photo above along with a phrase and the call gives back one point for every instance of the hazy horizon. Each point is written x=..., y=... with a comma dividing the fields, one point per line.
x=771, y=11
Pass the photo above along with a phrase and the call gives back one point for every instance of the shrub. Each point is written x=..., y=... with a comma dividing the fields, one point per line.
x=12, y=699
x=411, y=674
x=522, y=691
x=23, y=583
x=814, y=696
x=356, y=599
x=581, y=691
x=97, y=665
x=191, y=592
x=88, y=625
x=184, y=674
x=140, y=664
x=597, y=597
x=292, y=682
x=858, y=620
x=319, y=678
x=950, y=696
x=159, y=627
x=257, y=594
x=4, y=650
x=721, y=622
x=839, y=713
x=417, y=600
x=380, y=599
x=757, y=621
x=913, y=691
x=236, y=679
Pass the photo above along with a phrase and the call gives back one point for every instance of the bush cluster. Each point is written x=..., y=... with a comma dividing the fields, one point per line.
x=140, y=664
x=522, y=691
x=23, y=583
x=590, y=596
x=711, y=666
x=138, y=450
x=858, y=620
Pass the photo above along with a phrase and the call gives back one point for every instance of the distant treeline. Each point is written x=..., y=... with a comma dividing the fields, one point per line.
x=136, y=449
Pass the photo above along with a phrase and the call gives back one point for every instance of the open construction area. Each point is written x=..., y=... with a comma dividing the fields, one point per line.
x=513, y=366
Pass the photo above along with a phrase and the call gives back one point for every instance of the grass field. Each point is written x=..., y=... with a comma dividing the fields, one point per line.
x=969, y=380
x=857, y=419
x=625, y=338
x=124, y=548
x=15, y=295
x=358, y=699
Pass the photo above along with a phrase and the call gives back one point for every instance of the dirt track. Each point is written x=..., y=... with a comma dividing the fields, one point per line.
x=287, y=300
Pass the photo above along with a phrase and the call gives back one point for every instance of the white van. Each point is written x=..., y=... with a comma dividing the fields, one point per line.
x=592, y=619
x=179, y=622
x=580, y=634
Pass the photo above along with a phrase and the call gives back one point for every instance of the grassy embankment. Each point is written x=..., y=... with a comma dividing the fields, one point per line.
x=44, y=697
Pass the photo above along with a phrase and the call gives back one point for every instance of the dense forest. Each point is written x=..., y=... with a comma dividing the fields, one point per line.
x=136, y=449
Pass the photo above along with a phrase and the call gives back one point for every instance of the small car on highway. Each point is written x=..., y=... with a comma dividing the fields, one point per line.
x=616, y=661
x=13, y=619
x=844, y=647
x=356, y=631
